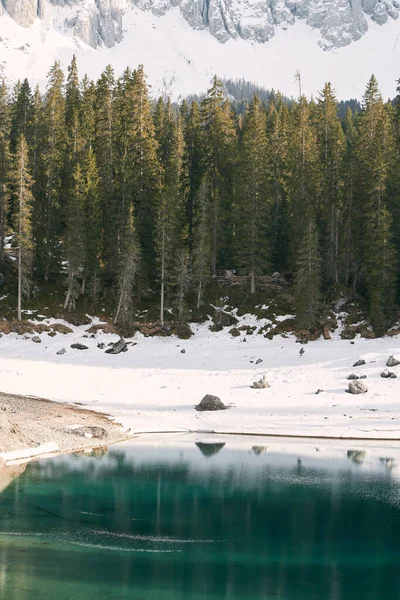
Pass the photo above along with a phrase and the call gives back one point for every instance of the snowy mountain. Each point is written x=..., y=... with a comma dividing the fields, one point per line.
x=182, y=43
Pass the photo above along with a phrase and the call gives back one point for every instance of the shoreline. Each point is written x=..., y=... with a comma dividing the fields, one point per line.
x=33, y=428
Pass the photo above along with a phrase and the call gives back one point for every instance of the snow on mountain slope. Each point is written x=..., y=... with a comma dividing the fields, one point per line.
x=181, y=60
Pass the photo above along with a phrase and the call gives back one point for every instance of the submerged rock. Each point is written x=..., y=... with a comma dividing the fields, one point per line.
x=357, y=387
x=210, y=402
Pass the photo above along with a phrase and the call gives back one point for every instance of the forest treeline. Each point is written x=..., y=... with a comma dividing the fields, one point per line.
x=108, y=189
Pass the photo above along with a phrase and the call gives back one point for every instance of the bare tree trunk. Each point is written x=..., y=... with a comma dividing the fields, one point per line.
x=2, y=223
x=19, y=275
x=252, y=282
x=69, y=292
x=199, y=290
x=162, y=277
x=119, y=308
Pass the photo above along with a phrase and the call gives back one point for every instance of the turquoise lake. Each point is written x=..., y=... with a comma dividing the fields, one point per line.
x=205, y=521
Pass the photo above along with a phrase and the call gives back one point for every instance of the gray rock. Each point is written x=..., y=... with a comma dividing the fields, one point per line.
x=260, y=384
x=258, y=361
x=100, y=22
x=101, y=345
x=118, y=347
x=89, y=431
x=388, y=375
x=392, y=362
x=24, y=12
x=79, y=346
x=210, y=402
x=359, y=363
x=353, y=376
x=61, y=352
x=363, y=377
x=36, y=339
x=183, y=351
x=357, y=387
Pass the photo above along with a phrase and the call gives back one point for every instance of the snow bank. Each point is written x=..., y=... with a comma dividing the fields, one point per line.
x=154, y=387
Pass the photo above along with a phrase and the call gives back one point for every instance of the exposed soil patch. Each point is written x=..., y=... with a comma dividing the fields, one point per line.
x=27, y=422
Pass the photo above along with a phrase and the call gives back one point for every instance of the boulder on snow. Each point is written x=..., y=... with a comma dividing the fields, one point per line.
x=61, y=352
x=357, y=387
x=353, y=376
x=392, y=362
x=118, y=347
x=358, y=363
x=36, y=339
x=258, y=361
x=210, y=402
x=101, y=345
x=261, y=384
x=388, y=375
x=78, y=346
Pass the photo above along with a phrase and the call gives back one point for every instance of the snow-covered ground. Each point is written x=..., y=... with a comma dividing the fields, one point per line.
x=181, y=61
x=153, y=387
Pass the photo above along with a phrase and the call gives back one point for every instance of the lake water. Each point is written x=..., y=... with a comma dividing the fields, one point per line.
x=207, y=521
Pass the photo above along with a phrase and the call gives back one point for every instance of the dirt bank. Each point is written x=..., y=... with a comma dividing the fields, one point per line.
x=27, y=422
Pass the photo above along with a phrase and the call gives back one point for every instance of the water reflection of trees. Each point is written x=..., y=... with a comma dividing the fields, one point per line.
x=281, y=532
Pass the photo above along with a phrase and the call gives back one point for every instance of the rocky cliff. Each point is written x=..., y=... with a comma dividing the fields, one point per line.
x=100, y=22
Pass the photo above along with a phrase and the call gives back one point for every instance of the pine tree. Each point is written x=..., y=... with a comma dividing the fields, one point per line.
x=349, y=239
x=219, y=155
x=303, y=188
x=92, y=219
x=144, y=172
x=47, y=216
x=182, y=283
x=22, y=108
x=22, y=184
x=105, y=140
x=5, y=163
x=74, y=241
x=308, y=276
x=128, y=270
x=73, y=109
x=87, y=116
x=201, y=262
x=192, y=163
x=331, y=151
x=253, y=206
x=375, y=156
x=278, y=174
x=170, y=216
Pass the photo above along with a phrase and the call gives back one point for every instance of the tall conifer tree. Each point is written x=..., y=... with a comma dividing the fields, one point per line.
x=22, y=185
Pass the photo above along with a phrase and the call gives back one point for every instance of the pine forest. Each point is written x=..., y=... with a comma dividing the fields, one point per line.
x=110, y=197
